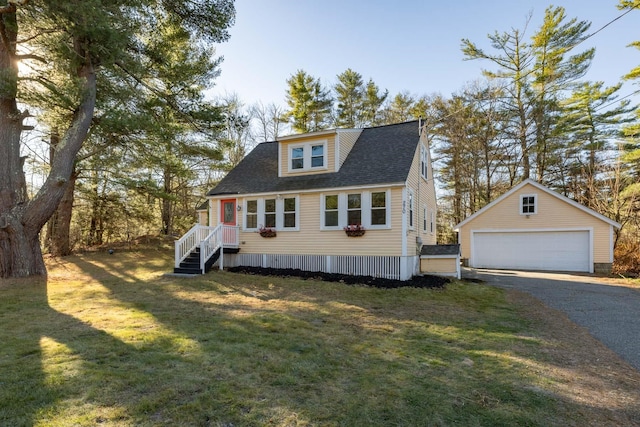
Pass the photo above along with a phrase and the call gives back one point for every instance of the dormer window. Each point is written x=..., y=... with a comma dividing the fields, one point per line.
x=317, y=156
x=528, y=204
x=297, y=158
x=306, y=157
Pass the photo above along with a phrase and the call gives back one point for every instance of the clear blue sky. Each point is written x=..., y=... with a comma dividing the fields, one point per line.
x=408, y=45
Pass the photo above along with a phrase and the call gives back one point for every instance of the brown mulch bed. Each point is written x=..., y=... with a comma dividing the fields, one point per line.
x=377, y=282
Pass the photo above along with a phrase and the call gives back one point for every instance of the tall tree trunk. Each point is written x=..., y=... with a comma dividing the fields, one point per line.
x=59, y=239
x=20, y=253
x=21, y=219
x=167, y=203
x=54, y=140
x=59, y=225
x=96, y=223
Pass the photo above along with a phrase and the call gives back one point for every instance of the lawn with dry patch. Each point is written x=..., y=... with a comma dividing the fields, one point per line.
x=108, y=340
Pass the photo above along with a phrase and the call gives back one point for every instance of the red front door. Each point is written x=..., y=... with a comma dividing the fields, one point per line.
x=228, y=212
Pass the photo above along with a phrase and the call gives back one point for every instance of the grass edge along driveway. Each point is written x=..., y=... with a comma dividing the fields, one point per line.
x=109, y=341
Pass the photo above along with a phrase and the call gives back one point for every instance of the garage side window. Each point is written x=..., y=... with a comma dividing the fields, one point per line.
x=528, y=204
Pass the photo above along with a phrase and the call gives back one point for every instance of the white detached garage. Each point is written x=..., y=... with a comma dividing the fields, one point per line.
x=534, y=228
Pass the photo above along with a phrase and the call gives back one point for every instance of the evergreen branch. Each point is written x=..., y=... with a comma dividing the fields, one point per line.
x=31, y=56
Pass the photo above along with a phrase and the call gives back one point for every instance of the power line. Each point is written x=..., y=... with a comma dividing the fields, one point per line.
x=616, y=101
x=606, y=25
x=502, y=87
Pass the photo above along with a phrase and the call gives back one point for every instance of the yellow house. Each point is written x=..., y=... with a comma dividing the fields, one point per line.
x=347, y=201
x=532, y=227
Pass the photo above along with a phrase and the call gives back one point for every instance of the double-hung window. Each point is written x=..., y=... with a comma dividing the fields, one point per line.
x=354, y=209
x=371, y=209
x=528, y=204
x=297, y=158
x=307, y=157
x=432, y=222
x=424, y=162
x=280, y=213
x=289, y=213
x=331, y=212
x=379, y=208
x=425, y=212
x=410, y=206
x=270, y=213
x=317, y=156
x=252, y=214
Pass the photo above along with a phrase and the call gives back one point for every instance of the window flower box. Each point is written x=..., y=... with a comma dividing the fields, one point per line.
x=354, y=230
x=267, y=232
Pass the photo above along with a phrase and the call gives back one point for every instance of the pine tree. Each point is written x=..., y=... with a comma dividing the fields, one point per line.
x=309, y=103
x=350, y=98
x=535, y=76
x=372, y=103
x=72, y=46
x=399, y=109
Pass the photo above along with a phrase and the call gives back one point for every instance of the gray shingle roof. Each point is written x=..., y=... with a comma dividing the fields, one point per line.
x=381, y=155
x=440, y=250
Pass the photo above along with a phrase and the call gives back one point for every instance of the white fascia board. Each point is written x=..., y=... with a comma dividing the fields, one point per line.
x=306, y=135
x=314, y=190
x=405, y=225
x=438, y=256
x=530, y=230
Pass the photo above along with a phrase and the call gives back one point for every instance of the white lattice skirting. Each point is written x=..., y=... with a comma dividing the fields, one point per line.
x=388, y=267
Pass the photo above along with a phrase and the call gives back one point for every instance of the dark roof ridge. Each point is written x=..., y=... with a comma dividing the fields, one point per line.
x=389, y=124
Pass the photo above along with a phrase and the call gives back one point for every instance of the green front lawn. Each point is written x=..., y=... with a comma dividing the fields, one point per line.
x=108, y=341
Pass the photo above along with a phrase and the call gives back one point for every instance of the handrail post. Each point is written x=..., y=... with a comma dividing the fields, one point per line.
x=202, y=256
x=220, y=243
x=176, y=259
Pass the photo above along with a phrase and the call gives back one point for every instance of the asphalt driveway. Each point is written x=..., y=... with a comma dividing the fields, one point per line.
x=611, y=313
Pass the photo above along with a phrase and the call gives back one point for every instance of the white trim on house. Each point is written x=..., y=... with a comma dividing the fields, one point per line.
x=366, y=207
x=522, y=204
x=611, y=240
x=211, y=218
x=411, y=208
x=308, y=135
x=279, y=212
x=405, y=230
x=307, y=156
x=439, y=256
x=546, y=190
x=472, y=233
x=317, y=190
x=424, y=162
x=425, y=215
x=336, y=156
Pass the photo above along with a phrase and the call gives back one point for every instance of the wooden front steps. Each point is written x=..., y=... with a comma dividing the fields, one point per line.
x=191, y=264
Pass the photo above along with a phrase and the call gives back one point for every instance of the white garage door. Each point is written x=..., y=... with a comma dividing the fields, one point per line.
x=549, y=250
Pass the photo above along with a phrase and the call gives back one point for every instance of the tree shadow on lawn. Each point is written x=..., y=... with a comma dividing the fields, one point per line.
x=33, y=390
x=246, y=361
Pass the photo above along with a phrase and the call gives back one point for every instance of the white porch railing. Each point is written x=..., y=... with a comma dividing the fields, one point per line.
x=209, y=245
x=209, y=239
